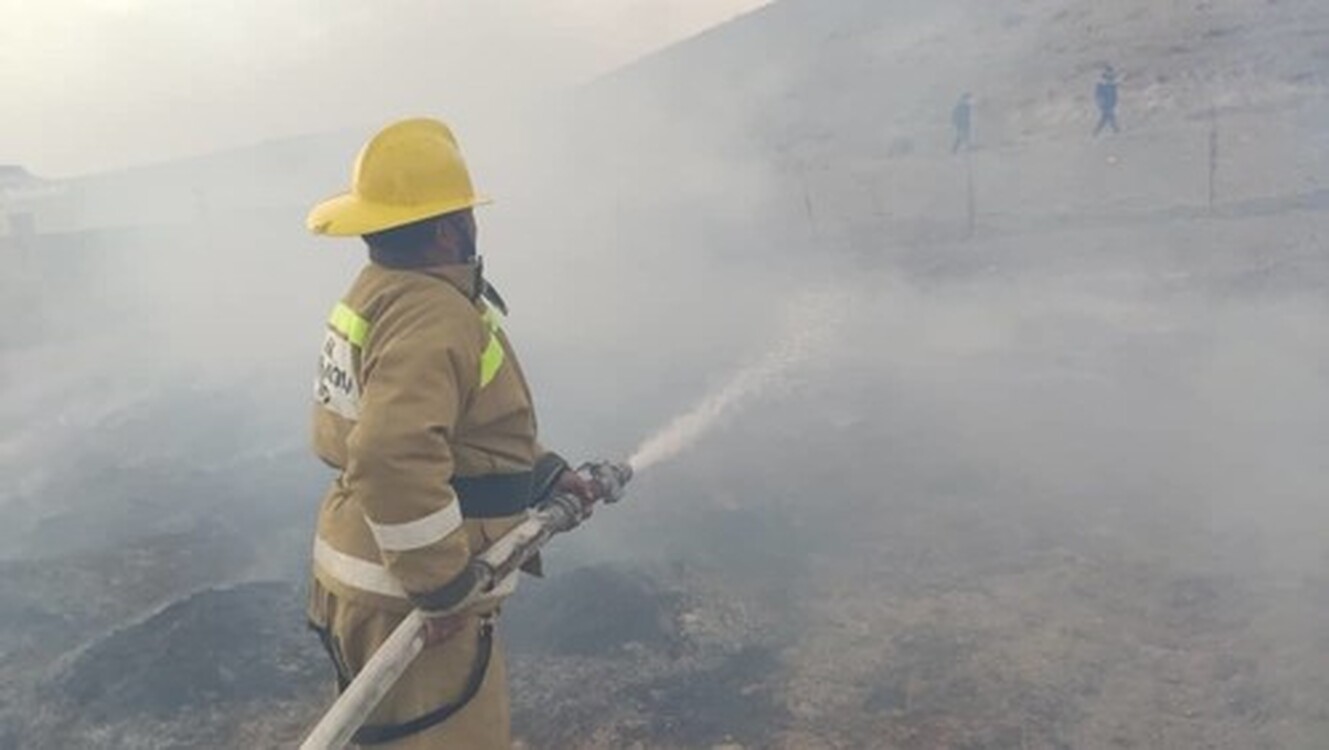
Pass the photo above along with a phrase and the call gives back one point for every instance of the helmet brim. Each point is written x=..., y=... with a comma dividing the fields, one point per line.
x=349, y=215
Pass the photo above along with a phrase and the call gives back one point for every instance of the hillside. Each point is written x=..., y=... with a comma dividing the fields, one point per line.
x=1054, y=480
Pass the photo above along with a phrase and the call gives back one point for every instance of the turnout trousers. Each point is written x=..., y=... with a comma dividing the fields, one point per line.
x=438, y=678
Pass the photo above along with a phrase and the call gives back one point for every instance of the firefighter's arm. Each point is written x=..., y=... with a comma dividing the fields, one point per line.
x=400, y=463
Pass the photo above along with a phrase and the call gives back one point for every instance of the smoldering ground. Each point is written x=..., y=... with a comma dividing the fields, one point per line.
x=993, y=505
x=1058, y=485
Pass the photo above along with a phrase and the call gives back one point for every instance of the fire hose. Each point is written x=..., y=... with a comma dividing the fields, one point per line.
x=559, y=514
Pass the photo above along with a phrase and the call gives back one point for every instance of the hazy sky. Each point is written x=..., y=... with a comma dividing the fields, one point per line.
x=91, y=84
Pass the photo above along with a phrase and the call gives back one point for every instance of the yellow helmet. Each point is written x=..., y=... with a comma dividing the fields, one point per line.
x=410, y=171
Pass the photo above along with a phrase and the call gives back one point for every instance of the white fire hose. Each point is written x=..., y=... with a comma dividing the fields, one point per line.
x=504, y=557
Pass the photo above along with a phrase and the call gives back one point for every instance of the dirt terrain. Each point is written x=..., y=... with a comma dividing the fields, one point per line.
x=1055, y=483
x=912, y=581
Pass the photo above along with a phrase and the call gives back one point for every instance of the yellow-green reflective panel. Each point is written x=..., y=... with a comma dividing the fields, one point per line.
x=348, y=323
x=491, y=360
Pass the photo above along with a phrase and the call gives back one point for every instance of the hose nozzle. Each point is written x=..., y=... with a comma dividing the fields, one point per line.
x=610, y=476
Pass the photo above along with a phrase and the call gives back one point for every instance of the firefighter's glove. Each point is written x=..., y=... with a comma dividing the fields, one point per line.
x=573, y=483
x=548, y=468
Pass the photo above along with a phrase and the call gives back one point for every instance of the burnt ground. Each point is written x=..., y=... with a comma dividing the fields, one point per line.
x=968, y=532
x=933, y=622
x=205, y=671
x=1042, y=538
x=943, y=629
x=1041, y=496
x=924, y=544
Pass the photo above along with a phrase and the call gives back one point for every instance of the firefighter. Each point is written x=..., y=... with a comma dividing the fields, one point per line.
x=1105, y=96
x=423, y=411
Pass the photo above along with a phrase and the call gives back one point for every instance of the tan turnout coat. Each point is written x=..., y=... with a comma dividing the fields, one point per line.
x=417, y=387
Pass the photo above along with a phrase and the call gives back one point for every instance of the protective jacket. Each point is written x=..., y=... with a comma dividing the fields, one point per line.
x=421, y=406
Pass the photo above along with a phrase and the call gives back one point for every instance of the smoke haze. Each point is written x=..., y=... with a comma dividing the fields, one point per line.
x=1047, y=475
x=163, y=79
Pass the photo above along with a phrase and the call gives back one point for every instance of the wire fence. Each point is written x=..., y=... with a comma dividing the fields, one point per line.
x=1215, y=163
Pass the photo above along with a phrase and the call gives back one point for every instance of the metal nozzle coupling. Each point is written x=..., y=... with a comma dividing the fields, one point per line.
x=611, y=477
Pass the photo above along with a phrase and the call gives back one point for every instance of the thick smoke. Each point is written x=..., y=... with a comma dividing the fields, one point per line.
x=871, y=426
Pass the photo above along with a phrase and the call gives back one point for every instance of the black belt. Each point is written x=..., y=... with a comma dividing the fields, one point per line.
x=494, y=495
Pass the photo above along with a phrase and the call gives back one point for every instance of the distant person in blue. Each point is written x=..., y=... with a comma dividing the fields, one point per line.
x=962, y=117
x=1105, y=95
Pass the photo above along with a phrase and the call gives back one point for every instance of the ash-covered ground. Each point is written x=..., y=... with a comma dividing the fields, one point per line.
x=1058, y=484
x=1041, y=530
x=1004, y=506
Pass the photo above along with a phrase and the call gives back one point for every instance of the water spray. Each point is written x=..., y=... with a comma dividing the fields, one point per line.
x=810, y=320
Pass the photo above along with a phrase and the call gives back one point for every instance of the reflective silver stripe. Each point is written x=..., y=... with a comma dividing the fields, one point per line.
x=422, y=532
x=356, y=573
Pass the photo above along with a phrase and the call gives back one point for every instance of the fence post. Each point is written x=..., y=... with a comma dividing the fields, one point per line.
x=1213, y=157
x=971, y=200
x=813, y=233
